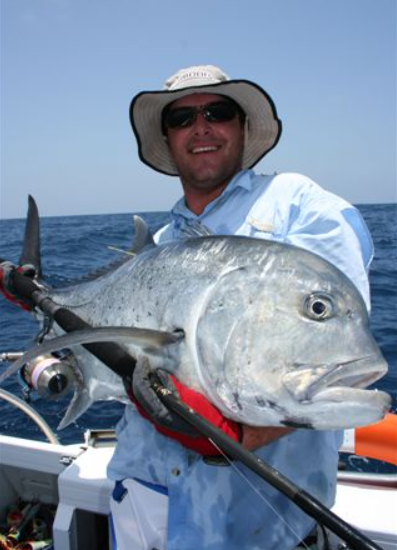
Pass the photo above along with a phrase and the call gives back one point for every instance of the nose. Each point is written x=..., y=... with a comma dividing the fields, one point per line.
x=201, y=126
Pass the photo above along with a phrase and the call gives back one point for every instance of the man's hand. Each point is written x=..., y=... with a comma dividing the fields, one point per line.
x=146, y=397
x=255, y=437
x=7, y=269
x=169, y=423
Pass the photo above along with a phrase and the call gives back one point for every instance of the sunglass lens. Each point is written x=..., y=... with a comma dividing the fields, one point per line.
x=220, y=112
x=223, y=111
x=177, y=118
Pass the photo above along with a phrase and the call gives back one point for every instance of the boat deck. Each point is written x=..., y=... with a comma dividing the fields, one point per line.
x=74, y=478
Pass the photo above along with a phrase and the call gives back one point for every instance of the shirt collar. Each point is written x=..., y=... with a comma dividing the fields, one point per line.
x=243, y=179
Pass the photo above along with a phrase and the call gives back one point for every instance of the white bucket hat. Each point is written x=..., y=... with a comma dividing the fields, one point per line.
x=263, y=128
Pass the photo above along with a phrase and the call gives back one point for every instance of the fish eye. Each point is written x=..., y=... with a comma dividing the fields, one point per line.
x=319, y=307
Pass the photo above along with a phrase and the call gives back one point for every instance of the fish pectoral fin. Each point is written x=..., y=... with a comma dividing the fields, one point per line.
x=145, y=338
x=81, y=401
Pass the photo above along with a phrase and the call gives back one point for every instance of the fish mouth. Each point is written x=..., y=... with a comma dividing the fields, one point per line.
x=342, y=394
x=335, y=382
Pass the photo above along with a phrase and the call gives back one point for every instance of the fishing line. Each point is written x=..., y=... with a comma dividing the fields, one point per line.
x=256, y=490
x=306, y=502
x=127, y=252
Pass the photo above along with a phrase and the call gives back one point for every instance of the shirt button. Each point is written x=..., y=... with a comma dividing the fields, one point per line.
x=175, y=471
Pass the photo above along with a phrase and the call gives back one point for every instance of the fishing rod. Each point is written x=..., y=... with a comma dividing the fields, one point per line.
x=118, y=360
x=113, y=355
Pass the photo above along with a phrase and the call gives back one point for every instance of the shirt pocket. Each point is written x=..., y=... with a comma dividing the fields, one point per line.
x=265, y=228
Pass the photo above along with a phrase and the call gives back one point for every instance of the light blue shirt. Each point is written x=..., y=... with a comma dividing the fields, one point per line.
x=230, y=508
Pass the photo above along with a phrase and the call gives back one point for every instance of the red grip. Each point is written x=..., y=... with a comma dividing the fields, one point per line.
x=202, y=406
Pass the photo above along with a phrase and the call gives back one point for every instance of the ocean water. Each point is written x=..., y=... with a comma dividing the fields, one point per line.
x=74, y=246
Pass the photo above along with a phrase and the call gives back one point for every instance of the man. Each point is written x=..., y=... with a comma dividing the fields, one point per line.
x=210, y=131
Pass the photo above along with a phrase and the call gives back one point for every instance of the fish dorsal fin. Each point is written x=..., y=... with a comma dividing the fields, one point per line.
x=31, y=255
x=142, y=236
x=194, y=228
x=142, y=239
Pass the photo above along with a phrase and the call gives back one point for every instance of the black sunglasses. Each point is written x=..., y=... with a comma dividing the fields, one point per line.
x=182, y=117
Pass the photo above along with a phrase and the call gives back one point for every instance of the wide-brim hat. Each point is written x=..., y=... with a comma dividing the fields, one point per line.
x=263, y=128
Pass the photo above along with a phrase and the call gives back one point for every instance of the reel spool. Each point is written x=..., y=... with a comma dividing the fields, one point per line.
x=51, y=376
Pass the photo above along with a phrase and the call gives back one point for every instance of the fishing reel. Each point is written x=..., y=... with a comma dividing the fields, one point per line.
x=51, y=376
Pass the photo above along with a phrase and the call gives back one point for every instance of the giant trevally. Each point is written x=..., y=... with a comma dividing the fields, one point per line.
x=271, y=334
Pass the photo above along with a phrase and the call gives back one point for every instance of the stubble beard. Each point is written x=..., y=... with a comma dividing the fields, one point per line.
x=210, y=177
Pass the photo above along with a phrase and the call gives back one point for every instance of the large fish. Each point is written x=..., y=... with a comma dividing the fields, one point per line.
x=271, y=334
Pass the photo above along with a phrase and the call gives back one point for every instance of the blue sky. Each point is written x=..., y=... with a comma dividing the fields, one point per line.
x=69, y=69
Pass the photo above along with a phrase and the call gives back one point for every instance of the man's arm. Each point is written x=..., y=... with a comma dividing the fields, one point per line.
x=335, y=230
x=255, y=437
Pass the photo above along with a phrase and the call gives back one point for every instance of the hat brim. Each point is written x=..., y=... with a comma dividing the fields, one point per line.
x=264, y=127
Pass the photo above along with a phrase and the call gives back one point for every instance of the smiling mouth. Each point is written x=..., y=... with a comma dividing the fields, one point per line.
x=204, y=149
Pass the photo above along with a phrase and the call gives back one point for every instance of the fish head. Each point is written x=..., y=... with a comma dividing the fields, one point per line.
x=291, y=346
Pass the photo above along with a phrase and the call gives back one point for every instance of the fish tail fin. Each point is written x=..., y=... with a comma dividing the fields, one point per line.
x=80, y=402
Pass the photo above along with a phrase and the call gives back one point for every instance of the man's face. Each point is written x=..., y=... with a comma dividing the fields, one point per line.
x=207, y=154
